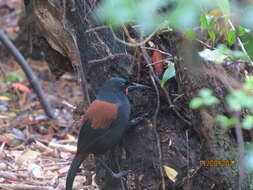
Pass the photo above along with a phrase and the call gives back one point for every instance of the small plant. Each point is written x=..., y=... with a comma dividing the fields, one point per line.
x=205, y=98
x=237, y=101
x=168, y=74
x=13, y=77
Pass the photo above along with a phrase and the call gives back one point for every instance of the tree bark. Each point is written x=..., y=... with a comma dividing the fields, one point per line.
x=73, y=38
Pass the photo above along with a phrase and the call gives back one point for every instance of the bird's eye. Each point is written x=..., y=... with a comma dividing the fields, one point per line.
x=126, y=83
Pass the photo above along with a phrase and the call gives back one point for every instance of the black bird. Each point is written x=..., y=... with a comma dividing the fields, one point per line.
x=104, y=123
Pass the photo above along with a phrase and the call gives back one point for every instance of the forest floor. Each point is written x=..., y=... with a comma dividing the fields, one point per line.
x=35, y=153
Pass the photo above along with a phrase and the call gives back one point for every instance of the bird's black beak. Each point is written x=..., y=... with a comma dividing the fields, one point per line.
x=134, y=85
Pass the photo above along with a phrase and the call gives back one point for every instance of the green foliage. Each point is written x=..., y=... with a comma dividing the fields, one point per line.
x=13, y=77
x=248, y=85
x=236, y=101
x=190, y=34
x=203, y=21
x=118, y=12
x=225, y=121
x=247, y=40
x=239, y=99
x=7, y=94
x=147, y=14
x=185, y=14
x=222, y=53
x=247, y=122
x=196, y=103
x=205, y=98
x=168, y=74
x=212, y=35
x=232, y=55
x=231, y=36
x=241, y=30
x=207, y=22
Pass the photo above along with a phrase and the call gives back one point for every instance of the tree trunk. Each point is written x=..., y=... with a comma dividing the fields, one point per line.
x=178, y=137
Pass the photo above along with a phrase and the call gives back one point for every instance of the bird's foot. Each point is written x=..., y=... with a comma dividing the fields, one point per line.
x=113, y=174
x=119, y=174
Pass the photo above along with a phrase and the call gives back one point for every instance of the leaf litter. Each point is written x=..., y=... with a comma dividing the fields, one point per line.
x=35, y=153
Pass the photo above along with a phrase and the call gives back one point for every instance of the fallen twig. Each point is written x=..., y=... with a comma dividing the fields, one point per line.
x=63, y=148
x=8, y=175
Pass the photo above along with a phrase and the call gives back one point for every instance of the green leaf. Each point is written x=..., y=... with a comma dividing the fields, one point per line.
x=231, y=37
x=239, y=55
x=196, y=103
x=224, y=121
x=205, y=92
x=13, y=77
x=212, y=35
x=248, y=102
x=190, y=34
x=248, y=85
x=247, y=40
x=117, y=12
x=211, y=100
x=247, y=122
x=184, y=16
x=236, y=100
x=168, y=74
x=241, y=31
x=203, y=21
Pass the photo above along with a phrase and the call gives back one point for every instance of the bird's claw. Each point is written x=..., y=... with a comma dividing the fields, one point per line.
x=120, y=174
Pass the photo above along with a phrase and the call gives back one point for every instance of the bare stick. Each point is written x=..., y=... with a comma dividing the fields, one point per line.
x=29, y=74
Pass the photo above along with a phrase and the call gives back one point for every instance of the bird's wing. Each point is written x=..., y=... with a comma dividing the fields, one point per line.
x=96, y=124
x=101, y=114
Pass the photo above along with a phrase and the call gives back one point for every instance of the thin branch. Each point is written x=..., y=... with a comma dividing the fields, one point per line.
x=133, y=44
x=109, y=57
x=29, y=74
x=174, y=108
x=96, y=28
x=163, y=52
x=158, y=142
x=160, y=61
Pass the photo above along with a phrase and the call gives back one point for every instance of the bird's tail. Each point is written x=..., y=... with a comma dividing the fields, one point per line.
x=72, y=171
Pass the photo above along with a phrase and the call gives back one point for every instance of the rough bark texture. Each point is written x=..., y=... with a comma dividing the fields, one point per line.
x=71, y=36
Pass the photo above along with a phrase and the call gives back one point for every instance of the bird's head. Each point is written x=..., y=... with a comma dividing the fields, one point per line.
x=119, y=85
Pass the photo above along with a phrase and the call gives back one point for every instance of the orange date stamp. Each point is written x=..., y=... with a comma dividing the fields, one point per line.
x=217, y=163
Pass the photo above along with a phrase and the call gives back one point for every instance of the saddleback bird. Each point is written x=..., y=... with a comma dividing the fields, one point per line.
x=104, y=123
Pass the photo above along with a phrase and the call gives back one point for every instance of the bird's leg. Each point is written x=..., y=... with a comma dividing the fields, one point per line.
x=113, y=174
